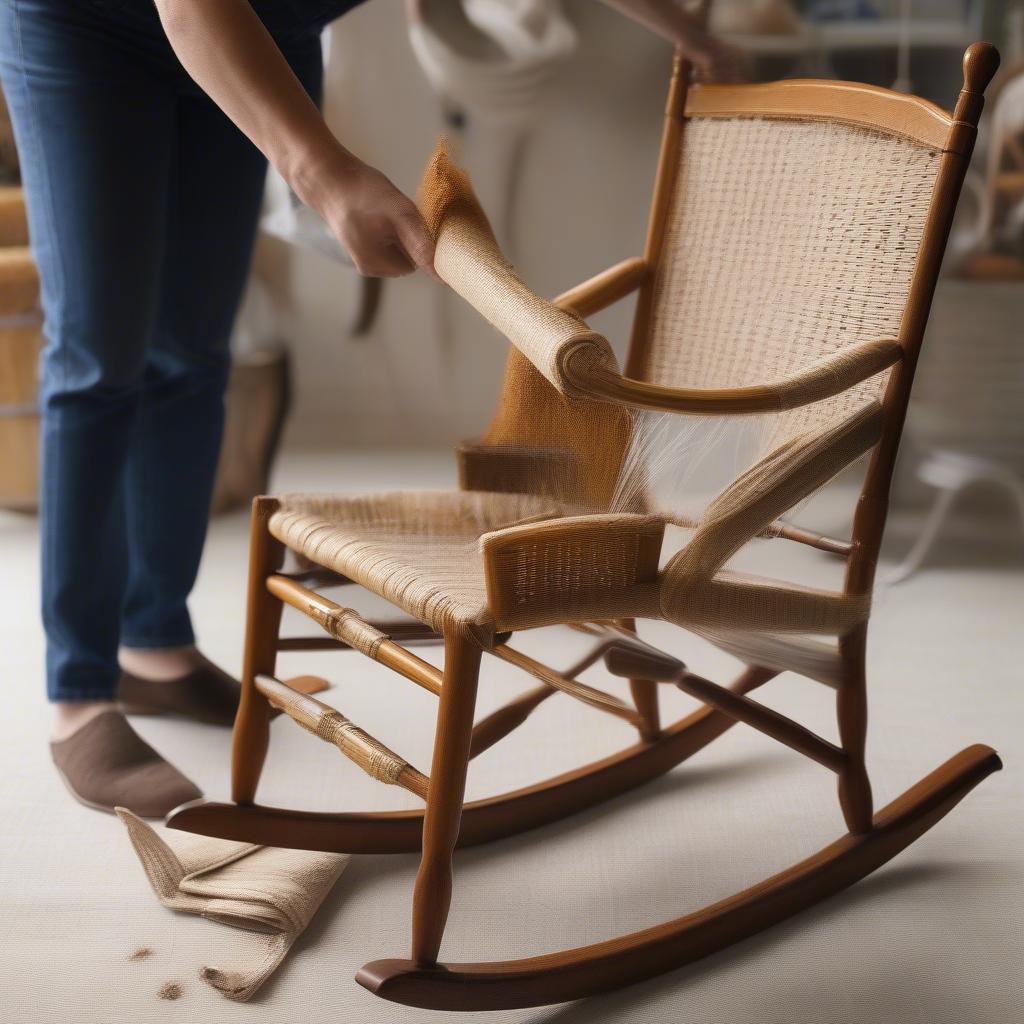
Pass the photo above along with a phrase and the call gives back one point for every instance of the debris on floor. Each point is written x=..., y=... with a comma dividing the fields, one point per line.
x=170, y=990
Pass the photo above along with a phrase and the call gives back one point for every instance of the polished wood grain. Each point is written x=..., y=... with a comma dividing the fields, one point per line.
x=765, y=720
x=603, y=289
x=500, y=723
x=855, y=103
x=831, y=377
x=323, y=610
x=588, y=695
x=251, y=735
x=603, y=966
x=453, y=735
x=483, y=821
x=330, y=725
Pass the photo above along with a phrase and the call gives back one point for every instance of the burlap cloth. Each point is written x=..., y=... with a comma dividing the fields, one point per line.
x=258, y=888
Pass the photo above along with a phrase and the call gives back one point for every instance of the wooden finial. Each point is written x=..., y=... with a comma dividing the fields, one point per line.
x=981, y=61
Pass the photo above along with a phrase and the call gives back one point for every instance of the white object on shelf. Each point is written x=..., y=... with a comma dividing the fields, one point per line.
x=965, y=412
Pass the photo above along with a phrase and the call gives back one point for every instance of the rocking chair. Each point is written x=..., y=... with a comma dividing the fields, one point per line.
x=795, y=239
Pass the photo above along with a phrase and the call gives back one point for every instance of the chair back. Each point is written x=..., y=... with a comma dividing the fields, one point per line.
x=790, y=220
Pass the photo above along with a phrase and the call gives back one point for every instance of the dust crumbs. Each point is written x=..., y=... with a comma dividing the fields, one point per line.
x=170, y=990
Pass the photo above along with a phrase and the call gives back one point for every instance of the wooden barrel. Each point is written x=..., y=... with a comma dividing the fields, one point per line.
x=13, y=223
x=20, y=344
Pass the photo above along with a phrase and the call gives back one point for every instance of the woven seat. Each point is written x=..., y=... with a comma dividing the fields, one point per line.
x=421, y=551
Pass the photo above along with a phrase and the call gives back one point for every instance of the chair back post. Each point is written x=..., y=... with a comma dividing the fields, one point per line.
x=664, y=186
x=980, y=64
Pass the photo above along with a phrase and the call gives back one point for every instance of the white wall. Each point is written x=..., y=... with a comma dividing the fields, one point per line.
x=429, y=371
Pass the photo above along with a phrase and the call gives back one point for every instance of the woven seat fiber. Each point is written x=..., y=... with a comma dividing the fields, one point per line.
x=419, y=550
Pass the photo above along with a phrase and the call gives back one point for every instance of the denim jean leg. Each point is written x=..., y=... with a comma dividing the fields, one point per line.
x=93, y=130
x=216, y=185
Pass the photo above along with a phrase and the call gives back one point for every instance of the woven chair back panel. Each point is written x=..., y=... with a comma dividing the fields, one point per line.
x=786, y=241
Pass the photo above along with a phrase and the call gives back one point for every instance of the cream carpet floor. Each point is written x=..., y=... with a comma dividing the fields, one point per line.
x=934, y=937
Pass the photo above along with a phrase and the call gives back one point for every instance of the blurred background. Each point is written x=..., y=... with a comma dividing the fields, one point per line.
x=556, y=110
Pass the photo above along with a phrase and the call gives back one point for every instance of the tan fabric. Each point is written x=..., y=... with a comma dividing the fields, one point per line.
x=786, y=242
x=771, y=487
x=256, y=888
x=468, y=259
x=573, y=568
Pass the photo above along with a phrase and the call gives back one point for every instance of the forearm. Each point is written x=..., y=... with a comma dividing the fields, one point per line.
x=224, y=46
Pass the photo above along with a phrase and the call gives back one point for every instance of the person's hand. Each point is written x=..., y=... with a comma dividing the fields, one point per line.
x=378, y=225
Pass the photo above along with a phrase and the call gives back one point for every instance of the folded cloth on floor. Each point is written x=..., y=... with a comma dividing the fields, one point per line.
x=259, y=888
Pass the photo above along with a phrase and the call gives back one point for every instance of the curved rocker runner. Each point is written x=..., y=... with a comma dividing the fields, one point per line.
x=537, y=537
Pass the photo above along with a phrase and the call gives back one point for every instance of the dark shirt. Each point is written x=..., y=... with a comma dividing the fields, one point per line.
x=303, y=16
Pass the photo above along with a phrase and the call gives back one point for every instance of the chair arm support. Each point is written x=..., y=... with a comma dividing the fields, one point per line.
x=830, y=376
x=605, y=288
x=570, y=568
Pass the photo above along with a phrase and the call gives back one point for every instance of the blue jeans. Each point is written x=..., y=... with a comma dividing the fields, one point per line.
x=143, y=201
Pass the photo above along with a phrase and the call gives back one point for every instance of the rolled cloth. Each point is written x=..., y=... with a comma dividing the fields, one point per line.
x=257, y=888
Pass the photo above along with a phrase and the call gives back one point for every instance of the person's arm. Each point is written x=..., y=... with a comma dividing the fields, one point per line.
x=226, y=49
x=712, y=58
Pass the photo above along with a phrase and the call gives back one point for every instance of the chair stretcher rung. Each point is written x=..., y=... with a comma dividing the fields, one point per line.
x=408, y=632
x=330, y=725
x=765, y=720
x=346, y=626
x=581, y=691
x=788, y=531
x=497, y=725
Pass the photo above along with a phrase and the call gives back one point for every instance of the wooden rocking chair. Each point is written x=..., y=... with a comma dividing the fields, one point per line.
x=795, y=239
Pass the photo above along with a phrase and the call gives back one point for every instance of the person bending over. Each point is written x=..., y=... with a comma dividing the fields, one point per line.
x=144, y=132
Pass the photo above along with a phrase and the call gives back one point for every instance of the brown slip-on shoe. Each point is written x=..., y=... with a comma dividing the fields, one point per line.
x=107, y=764
x=207, y=694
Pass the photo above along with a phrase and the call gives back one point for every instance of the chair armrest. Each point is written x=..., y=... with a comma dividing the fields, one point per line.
x=605, y=288
x=831, y=376
x=468, y=259
x=571, y=568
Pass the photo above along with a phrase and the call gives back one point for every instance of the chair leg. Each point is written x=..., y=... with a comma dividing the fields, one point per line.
x=433, y=892
x=263, y=621
x=645, y=698
x=852, y=706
